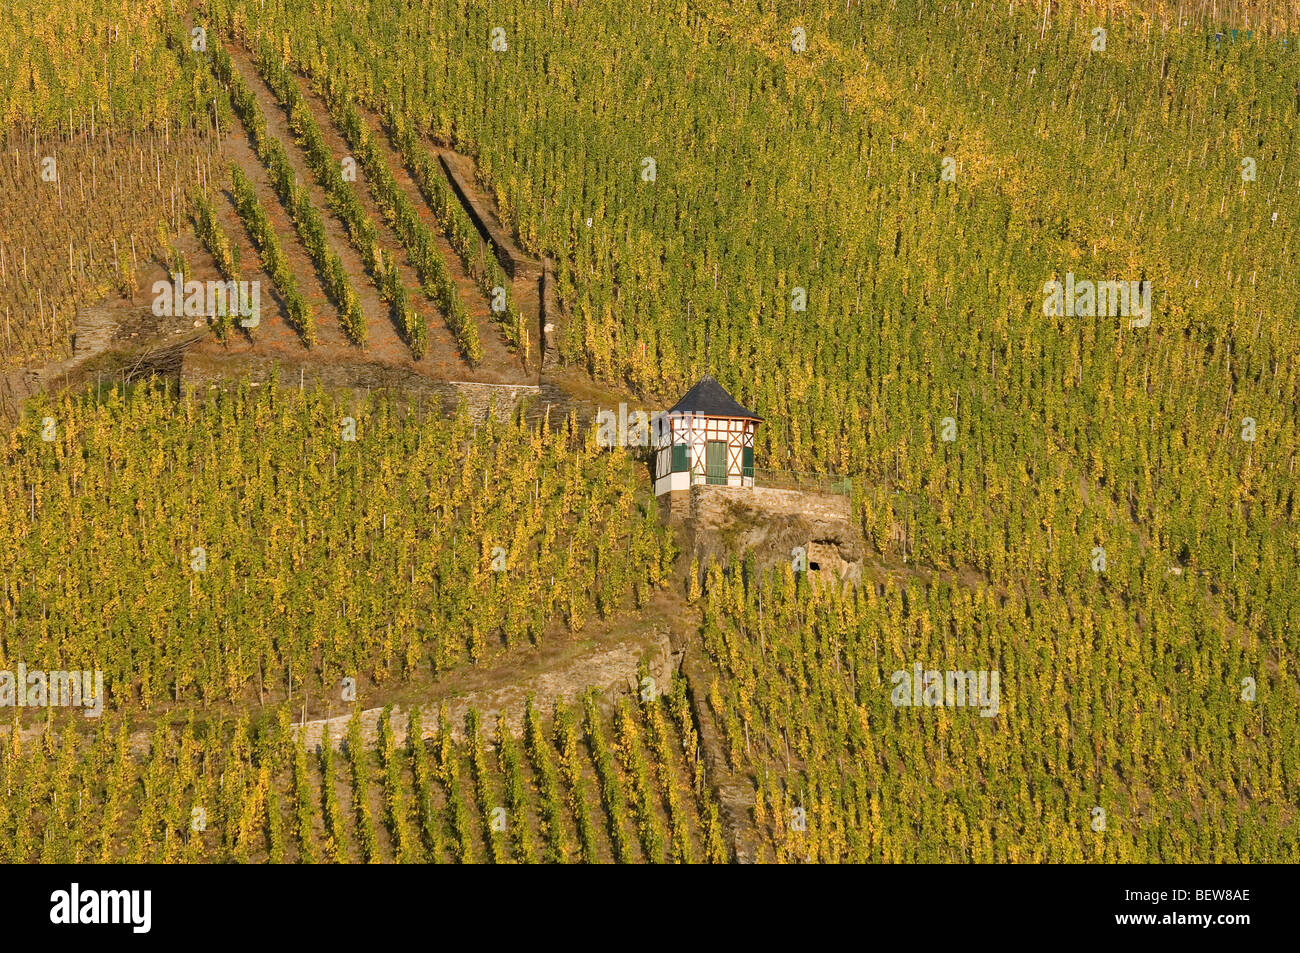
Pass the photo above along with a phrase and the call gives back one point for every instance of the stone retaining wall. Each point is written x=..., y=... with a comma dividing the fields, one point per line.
x=205, y=372
x=460, y=173
x=612, y=669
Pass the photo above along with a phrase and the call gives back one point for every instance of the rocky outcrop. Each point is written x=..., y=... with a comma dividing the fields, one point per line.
x=777, y=526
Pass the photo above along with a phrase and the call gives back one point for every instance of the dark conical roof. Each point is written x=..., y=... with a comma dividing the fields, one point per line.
x=707, y=397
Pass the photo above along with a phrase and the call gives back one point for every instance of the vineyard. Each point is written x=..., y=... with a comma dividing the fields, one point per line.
x=851, y=213
x=578, y=787
x=1069, y=429
x=54, y=258
x=170, y=544
x=1133, y=709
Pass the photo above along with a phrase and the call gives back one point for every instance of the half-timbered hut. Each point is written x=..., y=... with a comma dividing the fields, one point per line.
x=705, y=438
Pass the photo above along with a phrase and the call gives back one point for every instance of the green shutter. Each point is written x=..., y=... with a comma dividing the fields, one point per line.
x=747, y=461
x=679, y=458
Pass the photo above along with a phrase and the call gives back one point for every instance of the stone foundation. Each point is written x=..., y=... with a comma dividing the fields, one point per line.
x=723, y=523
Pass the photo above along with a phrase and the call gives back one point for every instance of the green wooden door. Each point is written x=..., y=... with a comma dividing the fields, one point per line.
x=715, y=461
